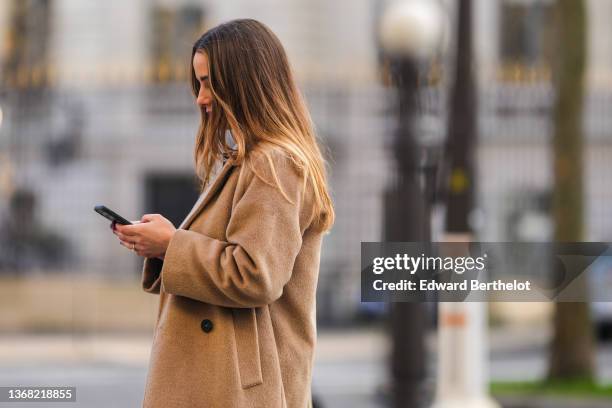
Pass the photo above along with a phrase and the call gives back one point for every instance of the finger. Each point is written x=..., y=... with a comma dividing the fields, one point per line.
x=112, y=226
x=149, y=217
x=126, y=227
x=128, y=230
x=132, y=246
x=129, y=241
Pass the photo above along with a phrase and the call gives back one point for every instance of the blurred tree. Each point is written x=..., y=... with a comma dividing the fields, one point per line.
x=572, y=345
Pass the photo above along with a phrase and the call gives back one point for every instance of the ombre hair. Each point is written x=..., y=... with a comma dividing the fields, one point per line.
x=255, y=96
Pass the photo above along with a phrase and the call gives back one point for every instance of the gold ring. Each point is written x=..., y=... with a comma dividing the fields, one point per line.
x=133, y=246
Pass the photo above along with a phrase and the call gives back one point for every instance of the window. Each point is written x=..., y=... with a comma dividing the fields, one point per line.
x=526, y=39
x=171, y=195
x=174, y=32
x=24, y=62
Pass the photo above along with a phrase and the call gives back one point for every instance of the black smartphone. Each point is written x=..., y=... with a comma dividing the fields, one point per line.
x=111, y=215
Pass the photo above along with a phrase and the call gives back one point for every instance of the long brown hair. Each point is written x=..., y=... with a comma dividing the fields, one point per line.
x=255, y=96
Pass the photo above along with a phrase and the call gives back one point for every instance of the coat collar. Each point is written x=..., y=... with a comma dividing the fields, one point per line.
x=205, y=197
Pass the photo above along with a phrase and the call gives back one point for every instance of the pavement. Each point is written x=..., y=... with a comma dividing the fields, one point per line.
x=350, y=371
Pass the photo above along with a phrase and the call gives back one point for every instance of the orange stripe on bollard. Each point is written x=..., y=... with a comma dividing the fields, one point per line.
x=454, y=319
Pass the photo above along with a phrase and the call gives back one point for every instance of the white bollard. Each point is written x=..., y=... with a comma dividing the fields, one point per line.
x=462, y=370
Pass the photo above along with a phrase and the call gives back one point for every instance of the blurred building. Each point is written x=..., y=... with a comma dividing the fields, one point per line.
x=515, y=57
x=97, y=110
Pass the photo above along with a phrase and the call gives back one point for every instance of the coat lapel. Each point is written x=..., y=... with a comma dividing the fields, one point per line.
x=208, y=194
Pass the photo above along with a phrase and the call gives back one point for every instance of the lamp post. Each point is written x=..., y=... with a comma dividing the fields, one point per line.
x=462, y=380
x=411, y=32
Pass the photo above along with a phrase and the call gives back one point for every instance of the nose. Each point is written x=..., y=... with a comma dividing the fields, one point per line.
x=203, y=97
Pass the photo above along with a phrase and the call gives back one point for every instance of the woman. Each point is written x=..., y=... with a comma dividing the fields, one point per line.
x=237, y=280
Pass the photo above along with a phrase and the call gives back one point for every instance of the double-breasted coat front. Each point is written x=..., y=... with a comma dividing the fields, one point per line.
x=236, y=322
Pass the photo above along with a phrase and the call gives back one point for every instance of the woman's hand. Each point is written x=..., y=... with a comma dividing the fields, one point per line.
x=148, y=238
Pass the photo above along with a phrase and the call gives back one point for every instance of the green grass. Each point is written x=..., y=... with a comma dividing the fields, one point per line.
x=577, y=388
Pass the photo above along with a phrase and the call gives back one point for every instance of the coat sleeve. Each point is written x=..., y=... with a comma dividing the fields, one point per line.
x=264, y=236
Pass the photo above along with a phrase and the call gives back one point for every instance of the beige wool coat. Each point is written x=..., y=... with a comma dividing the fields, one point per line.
x=236, y=322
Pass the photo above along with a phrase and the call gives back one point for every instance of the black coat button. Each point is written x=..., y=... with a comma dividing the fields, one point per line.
x=206, y=326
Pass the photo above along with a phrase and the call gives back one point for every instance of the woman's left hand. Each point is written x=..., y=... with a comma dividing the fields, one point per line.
x=149, y=238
